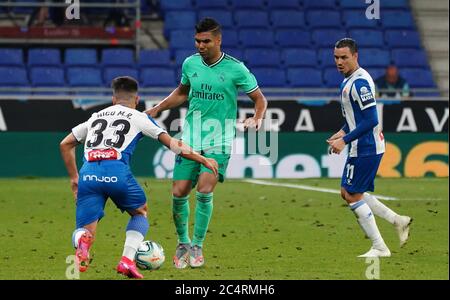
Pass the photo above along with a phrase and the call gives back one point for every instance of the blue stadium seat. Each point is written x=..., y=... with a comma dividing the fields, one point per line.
x=269, y=77
x=326, y=57
x=179, y=20
x=332, y=78
x=367, y=37
x=44, y=57
x=304, y=77
x=376, y=73
x=158, y=77
x=373, y=57
x=323, y=18
x=13, y=76
x=262, y=57
x=402, y=38
x=254, y=4
x=327, y=37
x=117, y=57
x=292, y=4
x=251, y=18
x=230, y=38
x=256, y=38
x=154, y=58
x=358, y=19
x=234, y=52
x=180, y=56
x=395, y=19
x=299, y=57
x=47, y=76
x=293, y=38
x=409, y=58
x=218, y=4
x=225, y=18
x=327, y=4
x=11, y=57
x=397, y=4
x=166, y=5
x=80, y=57
x=418, y=78
x=349, y=4
x=287, y=18
x=112, y=72
x=84, y=76
x=182, y=39
x=24, y=9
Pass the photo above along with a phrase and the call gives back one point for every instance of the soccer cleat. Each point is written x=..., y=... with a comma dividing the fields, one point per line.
x=401, y=224
x=196, y=258
x=128, y=268
x=180, y=260
x=373, y=252
x=82, y=253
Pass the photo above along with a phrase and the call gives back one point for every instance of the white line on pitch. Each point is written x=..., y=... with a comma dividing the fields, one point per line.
x=307, y=187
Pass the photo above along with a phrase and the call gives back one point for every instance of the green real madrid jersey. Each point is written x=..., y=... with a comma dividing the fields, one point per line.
x=211, y=118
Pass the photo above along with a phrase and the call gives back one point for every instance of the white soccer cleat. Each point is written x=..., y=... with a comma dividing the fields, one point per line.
x=401, y=224
x=373, y=252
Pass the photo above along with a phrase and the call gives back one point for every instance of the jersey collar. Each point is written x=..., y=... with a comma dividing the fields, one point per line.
x=216, y=63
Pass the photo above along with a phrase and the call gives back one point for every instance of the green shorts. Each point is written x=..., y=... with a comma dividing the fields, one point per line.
x=186, y=169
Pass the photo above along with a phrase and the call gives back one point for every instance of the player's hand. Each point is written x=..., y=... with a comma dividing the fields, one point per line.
x=212, y=164
x=337, y=135
x=252, y=123
x=336, y=145
x=74, y=187
x=153, y=112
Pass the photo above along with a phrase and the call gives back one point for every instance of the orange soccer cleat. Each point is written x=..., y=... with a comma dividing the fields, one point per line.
x=128, y=268
x=82, y=253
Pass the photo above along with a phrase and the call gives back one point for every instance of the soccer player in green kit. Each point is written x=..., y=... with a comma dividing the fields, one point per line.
x=210, y=81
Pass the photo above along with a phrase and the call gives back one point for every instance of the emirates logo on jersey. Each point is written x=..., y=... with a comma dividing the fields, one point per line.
x=102, y=154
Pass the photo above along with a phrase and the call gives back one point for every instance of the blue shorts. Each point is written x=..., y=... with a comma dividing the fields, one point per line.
x=359, y=173
x=101, y=180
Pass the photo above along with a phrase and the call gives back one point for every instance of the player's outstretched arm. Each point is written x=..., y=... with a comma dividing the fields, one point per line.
x=175, y=99
x=185, y=151
x=67, y=148
x=260, y=110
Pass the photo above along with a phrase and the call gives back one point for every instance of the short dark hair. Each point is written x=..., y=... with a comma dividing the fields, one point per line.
x=347, y=42
x=208, y=24
x=124, y=84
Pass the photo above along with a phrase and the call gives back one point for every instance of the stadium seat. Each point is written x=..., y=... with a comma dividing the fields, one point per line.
x=353, y=4
x=262, y=57
x=332, y=78
x=402, y=39
x=327, y=4
x=80, y=57
x=251, y=18
x=275, y=4
x=180, y=56
x=395, y=19
x=230, y=38
x=326, y=57
x=11, y=57
x=112, y=72
x=84, y=76
x=182, y=39
x=293, y=38
x=327, y=37
x=299, y=57
x=166, y=5
x=323, y=18
x=358, y=19
x=44, y=57
x=225, y=18
x=13, y=76
x=117, y=57
x=418, y=78
x=367, y=37
x=217, y=4
x=269, y=77
x=304, y=77
x=179, y=20
x=256, y=38
x=375, y=73
x=158, y=77
x=287, y=18
x=397, y=4
x=154, y=58
x=373, y=57
x=47, y=76
x=409, y=58
x=254, y=4
x=234, y=52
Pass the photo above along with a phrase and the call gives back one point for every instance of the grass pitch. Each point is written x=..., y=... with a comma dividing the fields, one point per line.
x=256, y=232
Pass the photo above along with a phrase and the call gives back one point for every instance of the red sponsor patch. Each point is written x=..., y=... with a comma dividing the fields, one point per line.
x=103, y=154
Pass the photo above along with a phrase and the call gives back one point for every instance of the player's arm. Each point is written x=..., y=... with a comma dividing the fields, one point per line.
x=343, y=131
x=185, y=151
x=260, y=110
x=175, y=99
x=67, y=148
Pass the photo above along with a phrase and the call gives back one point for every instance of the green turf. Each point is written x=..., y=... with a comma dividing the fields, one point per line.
x=256, y=232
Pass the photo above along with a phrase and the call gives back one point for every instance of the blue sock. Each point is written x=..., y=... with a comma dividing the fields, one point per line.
x=138, y=223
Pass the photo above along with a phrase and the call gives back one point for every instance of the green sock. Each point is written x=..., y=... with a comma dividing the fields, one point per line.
x=180, y=213
x=203, y=212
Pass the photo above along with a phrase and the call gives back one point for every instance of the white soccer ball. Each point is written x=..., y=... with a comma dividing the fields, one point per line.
x=150, y=256
x=163, y=163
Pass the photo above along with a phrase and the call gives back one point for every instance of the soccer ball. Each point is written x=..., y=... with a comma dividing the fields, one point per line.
x=150, y=255
x=163, y=163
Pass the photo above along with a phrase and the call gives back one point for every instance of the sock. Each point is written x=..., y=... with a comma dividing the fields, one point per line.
x=367, y=222
x=76, y=235
x=379, y=208
x=203, y=212
x=180, y=213
x=136, y=230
